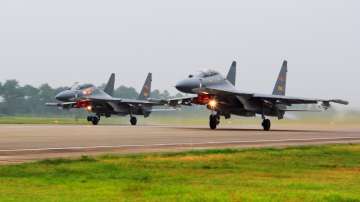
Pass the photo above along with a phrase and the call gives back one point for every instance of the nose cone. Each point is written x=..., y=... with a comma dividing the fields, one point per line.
x=188, y=85
x=65, y=96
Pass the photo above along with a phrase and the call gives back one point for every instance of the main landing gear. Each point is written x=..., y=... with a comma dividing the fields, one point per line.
x=214, y=121
x=266, y=124
x=133, y=120
x=94, y=119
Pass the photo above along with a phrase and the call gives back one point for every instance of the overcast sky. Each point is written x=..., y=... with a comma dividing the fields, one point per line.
x=61, y=42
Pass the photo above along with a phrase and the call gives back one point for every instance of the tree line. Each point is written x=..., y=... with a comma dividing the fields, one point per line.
x=29, y=100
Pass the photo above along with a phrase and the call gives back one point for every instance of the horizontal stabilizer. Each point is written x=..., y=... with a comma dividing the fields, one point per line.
x=300, y=110
x=338, y=101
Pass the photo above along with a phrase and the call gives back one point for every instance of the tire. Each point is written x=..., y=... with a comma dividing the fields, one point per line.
x=133, y=121
x=95, y=120
x=266, y=124
x=213, y=122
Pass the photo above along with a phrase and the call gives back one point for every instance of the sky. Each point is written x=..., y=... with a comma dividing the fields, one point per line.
x=67, y=41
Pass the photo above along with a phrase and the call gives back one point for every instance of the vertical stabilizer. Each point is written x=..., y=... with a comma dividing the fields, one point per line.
x=109, y=88
x=232, y=74
x=146, y=90
x=280, y=86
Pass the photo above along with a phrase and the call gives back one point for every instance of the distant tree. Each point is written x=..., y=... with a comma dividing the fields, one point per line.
x=178, y=95
x=126, y=92
x=165, y=95
x=13, y=98
x=102, y=86
x=30, y=100
x=155, y=94
x=46, y=93
x=9, y=88
x=29, y=91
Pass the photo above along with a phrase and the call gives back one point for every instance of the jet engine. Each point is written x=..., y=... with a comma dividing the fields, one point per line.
x=83, y=104
x=203, y=99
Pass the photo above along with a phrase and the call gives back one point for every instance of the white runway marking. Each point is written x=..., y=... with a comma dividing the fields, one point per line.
x=181, y=144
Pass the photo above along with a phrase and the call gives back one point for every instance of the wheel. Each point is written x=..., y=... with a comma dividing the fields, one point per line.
x=214, y=120
x=95, y=120
x=266, y=124
x=133, y=121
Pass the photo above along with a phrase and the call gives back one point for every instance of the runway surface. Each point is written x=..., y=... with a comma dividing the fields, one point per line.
x=21, y=143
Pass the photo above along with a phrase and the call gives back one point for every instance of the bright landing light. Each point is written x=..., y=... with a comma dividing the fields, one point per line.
x=89, y=108
x=212, y=104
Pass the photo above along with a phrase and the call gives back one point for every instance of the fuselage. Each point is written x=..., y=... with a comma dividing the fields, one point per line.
x=225, y=105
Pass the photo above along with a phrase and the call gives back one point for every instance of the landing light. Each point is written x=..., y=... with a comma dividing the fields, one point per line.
x=213, y=104
x=89, y=108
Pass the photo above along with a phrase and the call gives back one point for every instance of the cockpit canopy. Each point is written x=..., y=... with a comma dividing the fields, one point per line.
x=82, y=86
x=205, y=74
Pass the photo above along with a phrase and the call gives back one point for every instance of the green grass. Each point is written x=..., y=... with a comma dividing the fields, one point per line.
x=325, y=173
x=41, y=120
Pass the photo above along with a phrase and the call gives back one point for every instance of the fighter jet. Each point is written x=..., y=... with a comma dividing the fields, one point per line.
x=102, y=103
x=220, y=96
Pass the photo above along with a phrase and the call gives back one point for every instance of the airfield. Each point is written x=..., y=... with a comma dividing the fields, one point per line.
x=23, y=143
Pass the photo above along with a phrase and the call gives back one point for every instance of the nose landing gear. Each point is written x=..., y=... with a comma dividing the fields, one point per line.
x=214, y=121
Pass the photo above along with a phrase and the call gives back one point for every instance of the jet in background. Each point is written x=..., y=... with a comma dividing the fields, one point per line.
x=219, y=94
x=102, y=103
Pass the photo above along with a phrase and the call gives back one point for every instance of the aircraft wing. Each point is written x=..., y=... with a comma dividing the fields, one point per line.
x=297, y=100
x=269, y=98
x=162, y=110
x=124, y=101
x=141, y=102
x=61, y=104
x=181, y=101
x=225, y=91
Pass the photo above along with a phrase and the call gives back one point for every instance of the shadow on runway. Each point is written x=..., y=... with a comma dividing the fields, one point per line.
x=258, y=130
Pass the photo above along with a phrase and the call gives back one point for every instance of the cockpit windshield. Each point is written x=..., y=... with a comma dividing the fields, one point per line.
x=207, y=73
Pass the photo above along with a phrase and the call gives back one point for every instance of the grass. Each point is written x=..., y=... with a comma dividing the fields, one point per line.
x=41, y=120
x=324, y=173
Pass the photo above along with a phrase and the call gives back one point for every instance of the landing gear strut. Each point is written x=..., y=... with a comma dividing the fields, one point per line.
x=133, y=120
x=266, y=124
x=214, y=121
x=94, y=119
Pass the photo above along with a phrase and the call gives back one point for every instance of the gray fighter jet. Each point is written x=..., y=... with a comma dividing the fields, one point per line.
x=223, y=99
x=102, y=103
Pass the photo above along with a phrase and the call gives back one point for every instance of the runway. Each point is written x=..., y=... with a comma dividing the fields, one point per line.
x=22, y=143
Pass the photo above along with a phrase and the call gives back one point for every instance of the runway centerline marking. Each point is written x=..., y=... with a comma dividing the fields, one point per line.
x=179, y=144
